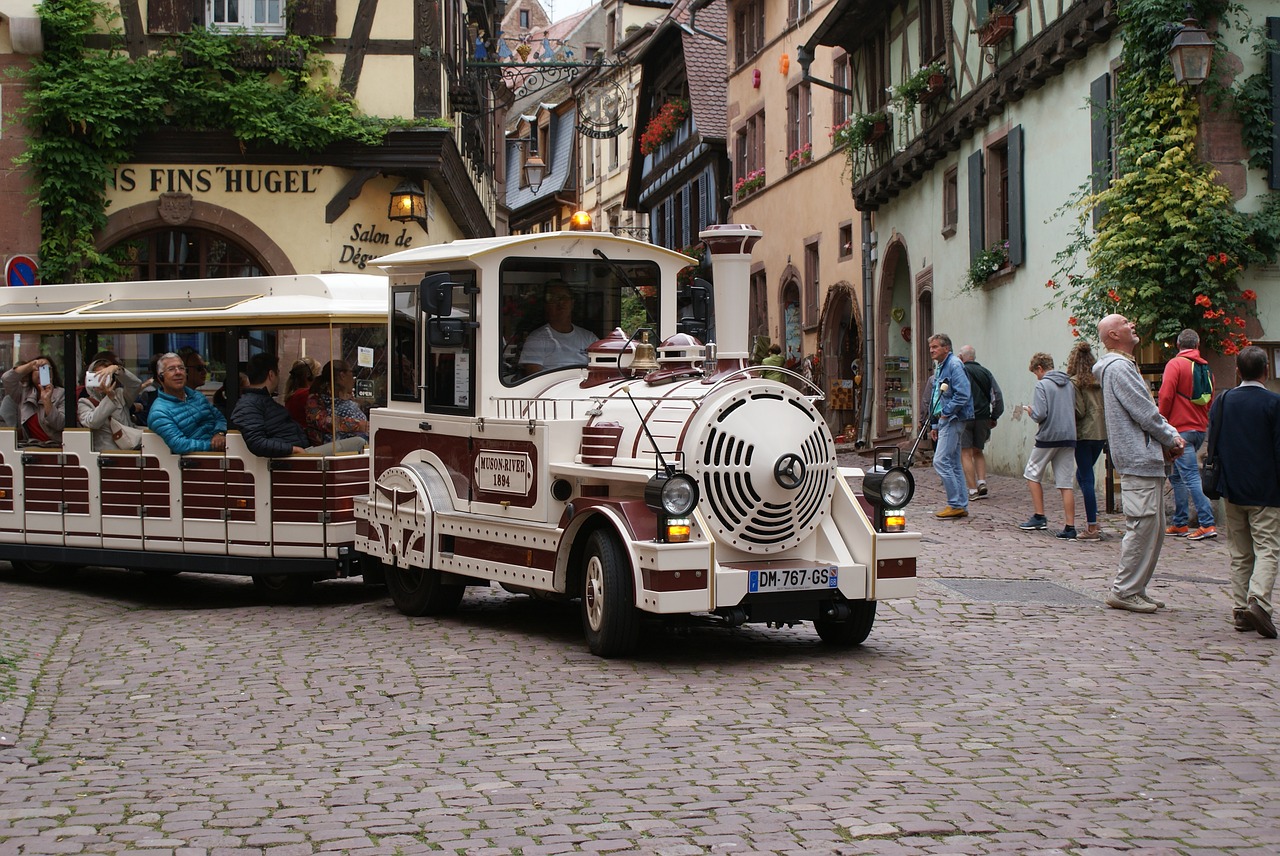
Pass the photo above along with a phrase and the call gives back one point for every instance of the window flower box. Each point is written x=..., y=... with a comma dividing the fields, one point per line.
x=749, y=184
x=999, y=26
x=800, y=157
x=663, y=126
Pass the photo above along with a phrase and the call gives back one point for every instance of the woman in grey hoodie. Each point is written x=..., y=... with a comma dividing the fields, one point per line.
x=1053, y=408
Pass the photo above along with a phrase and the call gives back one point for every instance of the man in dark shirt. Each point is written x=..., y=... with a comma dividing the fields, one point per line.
x=268, y=429
x=1244, y=431
x=973, y=439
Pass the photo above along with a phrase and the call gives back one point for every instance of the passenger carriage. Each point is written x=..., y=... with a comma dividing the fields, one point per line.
x=285, y=522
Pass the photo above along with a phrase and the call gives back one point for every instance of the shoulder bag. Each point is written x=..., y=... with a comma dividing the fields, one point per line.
x=1211, y=470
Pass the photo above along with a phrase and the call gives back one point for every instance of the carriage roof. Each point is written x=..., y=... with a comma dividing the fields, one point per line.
x=301, y=299
x=551, y=243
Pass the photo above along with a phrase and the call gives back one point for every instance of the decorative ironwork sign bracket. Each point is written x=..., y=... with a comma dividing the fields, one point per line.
x=526, y=78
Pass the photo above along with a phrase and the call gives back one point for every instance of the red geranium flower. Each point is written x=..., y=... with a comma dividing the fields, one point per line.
x=1203, y=300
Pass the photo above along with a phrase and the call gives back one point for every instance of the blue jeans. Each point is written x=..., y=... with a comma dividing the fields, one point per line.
x=1185, y=478
x=1087, y=452
x=946, y=462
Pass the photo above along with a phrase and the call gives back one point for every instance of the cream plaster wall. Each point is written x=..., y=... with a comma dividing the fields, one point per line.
x=386, y=86
x=295, y=220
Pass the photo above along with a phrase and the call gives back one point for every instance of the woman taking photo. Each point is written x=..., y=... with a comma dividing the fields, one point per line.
x=37, y=388
x=107, y=398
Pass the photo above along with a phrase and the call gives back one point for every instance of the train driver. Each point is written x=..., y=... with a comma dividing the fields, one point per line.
x=183, y=417
x=559, y=342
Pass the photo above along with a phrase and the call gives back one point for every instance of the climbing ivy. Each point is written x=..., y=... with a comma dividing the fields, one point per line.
x=88, y=106
x=1170, y=245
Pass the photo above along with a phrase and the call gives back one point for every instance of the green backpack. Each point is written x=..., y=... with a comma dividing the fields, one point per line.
x=1201, y=383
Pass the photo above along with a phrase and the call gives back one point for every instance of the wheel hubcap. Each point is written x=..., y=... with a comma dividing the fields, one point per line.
x=593, y=594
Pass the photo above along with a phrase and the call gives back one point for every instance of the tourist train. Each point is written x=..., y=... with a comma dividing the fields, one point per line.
x=665, y=477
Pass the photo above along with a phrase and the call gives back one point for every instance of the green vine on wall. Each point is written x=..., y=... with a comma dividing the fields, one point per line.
x=1170, y=244
x=87, y=108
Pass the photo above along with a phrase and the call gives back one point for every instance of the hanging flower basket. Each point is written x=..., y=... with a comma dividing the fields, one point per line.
x=937, y=84
x=997, y=28
x=877, y=131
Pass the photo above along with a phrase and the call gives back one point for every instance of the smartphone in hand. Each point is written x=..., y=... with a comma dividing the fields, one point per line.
x=45, y=376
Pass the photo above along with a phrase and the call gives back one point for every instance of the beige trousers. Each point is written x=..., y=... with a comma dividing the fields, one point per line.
x=1253, y=538
x=1142, y=500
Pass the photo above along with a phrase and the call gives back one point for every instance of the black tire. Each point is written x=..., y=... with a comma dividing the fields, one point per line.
x=610, y=619
x=851, y=632
x=48, y=573
x=282, y=588
x=419, y=591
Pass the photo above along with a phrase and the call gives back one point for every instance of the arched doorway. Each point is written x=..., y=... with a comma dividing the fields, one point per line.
x=895, y=323
x=792, y=330
x=840, y=339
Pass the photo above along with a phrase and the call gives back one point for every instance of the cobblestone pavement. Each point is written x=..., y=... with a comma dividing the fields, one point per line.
x=181, y=717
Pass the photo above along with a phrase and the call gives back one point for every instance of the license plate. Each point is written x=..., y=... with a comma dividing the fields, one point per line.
x=791, y=579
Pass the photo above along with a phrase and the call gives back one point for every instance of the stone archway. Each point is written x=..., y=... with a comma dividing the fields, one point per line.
x=147, y=216
x=840, y=338
x=894, y=354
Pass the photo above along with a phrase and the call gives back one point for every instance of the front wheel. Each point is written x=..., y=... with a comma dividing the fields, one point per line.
x=420, y=591
x=851, y=632
x=609, y=616
x=282, y=588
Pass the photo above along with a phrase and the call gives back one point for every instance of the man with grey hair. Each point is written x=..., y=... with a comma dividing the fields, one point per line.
x=951, y=405
x=183, y=417
x=1142, y=444
x=1189, y=414
x=988, y=404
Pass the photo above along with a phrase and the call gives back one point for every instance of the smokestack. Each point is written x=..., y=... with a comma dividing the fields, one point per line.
x=730, y=248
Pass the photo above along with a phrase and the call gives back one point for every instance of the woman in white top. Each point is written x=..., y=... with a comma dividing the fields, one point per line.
x=108, y=393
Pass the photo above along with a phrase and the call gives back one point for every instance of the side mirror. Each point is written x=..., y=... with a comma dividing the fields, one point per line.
x=697, y=322
x=435, y=294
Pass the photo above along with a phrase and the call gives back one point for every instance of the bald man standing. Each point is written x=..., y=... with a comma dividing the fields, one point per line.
x=1142, y=445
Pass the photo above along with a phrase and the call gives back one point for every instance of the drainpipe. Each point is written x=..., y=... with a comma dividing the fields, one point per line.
x=868, y=332
x=692, y=26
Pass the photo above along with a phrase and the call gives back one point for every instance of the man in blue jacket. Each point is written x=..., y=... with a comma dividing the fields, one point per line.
x=1244, y=426
x=951, y=406
x=183, y=417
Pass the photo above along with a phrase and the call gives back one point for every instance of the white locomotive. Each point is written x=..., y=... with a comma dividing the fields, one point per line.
x=685, y=484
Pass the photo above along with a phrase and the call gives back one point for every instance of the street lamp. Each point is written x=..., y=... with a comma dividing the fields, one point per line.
x=408, y=203
x=1191, y=52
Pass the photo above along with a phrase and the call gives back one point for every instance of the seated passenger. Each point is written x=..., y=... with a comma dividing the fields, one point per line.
x=331, y=409
x=268, y=429
x=184, y=418
x=558, y=343
x=41, y=416
x=147, y=392
x=104, y=405
x=297, y=388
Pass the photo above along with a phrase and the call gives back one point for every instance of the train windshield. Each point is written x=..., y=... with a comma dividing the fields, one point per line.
x=554, y=309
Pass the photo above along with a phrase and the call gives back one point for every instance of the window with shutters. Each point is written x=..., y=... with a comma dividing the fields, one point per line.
x=748, y=30
x=997, y=196
x=256, y=16
x=876, y=54
x=758, y=311
x=933, y=30
x=844, y=234
x=841, y=102
x=950, y=201
x=748, y=154
x=797, y=9
x=811, y=283
x=1102, y=136
x=799, y=126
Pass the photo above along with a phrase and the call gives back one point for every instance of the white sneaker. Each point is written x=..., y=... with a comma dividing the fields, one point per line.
x=973, y=494
x=1132, y=603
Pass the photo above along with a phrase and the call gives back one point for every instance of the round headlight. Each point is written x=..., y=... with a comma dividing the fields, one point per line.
x=679, y=495
x=897, y=488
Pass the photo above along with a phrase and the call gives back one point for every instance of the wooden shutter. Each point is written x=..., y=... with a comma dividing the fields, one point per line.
x=173, y=16
x=1273, y=69
x=1100, y=137
x=977, y=216
x=1017, y=199
x=313, y=17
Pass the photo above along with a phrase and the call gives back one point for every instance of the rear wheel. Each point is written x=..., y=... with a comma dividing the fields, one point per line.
x=50, y=573
x=609, y=616
x=420, y=591
x=853, y=631
x=282, y=588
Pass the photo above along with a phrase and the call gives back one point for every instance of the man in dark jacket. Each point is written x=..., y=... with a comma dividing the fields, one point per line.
x=987, y=406
x=268, y=429
x=1244, y=426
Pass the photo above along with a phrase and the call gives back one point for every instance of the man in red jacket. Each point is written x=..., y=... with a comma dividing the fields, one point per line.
x=1191, y=420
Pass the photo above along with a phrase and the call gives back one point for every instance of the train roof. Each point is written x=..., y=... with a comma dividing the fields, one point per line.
x=302, y=299
x=471, y=249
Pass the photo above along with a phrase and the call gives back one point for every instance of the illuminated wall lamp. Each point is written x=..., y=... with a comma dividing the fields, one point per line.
x=408, y=203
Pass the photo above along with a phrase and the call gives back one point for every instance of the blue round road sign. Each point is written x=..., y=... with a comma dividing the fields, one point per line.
x=21, y=270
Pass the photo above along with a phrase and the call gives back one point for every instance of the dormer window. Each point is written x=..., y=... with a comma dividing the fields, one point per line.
x=257, y=16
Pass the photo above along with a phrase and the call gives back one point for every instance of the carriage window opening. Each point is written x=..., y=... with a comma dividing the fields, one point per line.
x=553, y=310
x=405, y=354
